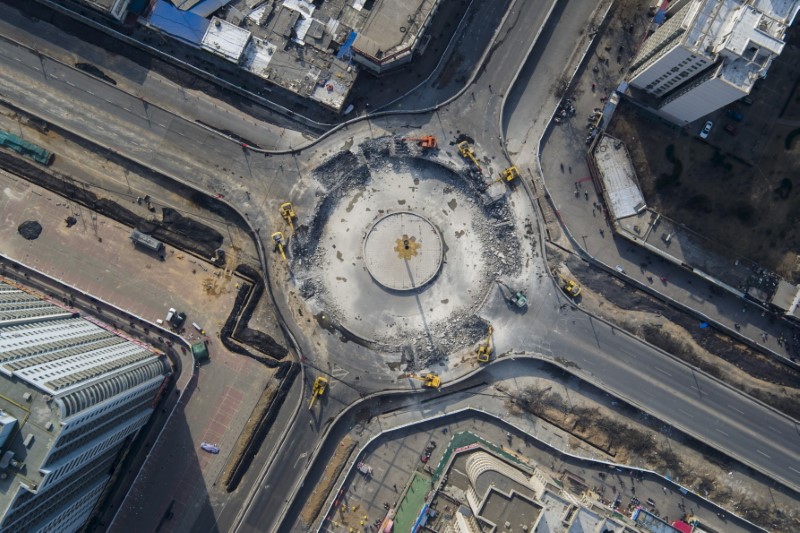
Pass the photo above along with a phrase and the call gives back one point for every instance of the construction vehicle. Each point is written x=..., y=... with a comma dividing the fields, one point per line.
x=277, y=238
x=569, y=286
x=518, y=298
x=486, y=349
x=430, y=380
x=427, y=142
x=288, y=214
x=317, y=390
x=467, y=152
x=509, y=174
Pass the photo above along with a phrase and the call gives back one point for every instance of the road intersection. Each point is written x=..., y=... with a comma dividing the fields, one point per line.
x=255, y=183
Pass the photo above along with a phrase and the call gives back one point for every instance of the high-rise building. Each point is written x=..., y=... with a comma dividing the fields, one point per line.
x=72, y=393
x=707, y=54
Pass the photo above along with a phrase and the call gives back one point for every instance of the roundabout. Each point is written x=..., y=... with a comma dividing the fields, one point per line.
x=402, y=252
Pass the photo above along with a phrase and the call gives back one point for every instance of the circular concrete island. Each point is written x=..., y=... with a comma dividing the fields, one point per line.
x=403, y=251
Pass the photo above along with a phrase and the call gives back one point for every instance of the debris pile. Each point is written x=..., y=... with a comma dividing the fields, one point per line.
x=30, y=229
x=487, y=230
x=565, y=111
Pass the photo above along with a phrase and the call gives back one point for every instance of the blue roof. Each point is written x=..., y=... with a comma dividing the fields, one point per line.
x=181, y=24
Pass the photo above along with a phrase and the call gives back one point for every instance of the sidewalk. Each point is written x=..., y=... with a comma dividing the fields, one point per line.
x=563, y=164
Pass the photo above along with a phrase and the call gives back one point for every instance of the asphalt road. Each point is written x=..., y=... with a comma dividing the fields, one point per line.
x=721, y=417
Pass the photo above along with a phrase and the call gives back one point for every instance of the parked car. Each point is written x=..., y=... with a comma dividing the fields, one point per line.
x=730, y=128
x=735, y=115
x=706, y=130
x=210, y=448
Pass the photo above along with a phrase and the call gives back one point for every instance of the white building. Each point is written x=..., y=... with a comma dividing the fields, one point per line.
x=72, y=393
x=709, y=53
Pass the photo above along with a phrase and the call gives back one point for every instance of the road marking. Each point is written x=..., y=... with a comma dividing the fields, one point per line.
x=794, y=469
x=762, y=453
x=687, y=413
x=298, y=458
x=663, y=371
x=90, y=92
x=735, y=409
x=776, y=430
x=721, y=431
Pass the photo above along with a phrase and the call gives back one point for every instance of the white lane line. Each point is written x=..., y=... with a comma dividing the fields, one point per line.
x=762, y=453
x=776, y=430
x=794, y=469
x=687, y=413
x=735, y=409
x=663, y=371
x=717, y=429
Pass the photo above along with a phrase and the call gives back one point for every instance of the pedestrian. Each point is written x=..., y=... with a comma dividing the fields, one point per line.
x=562, y=168
x=395, y=487
x=586, y=194
x=602, y=233
x=570, y=169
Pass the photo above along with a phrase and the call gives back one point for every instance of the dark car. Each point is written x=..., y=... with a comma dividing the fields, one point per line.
x=178, y=319
x=735, y=115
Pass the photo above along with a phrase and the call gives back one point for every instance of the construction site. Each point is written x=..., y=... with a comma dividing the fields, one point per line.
x=405, y=243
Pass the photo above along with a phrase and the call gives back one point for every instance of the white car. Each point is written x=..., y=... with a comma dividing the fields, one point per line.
x=706, y=130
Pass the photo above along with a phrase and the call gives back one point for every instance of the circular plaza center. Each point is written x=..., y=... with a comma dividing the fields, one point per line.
x=403, y=251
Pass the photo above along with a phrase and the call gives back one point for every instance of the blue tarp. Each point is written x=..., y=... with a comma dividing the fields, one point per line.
x=345, y=48
x=180, y=24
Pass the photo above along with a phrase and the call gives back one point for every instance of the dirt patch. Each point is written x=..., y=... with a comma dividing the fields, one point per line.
x=642, y=441
x=175, y=229
x=30, y=229
x=247, y=434
x=260, y=424
x=678, y=334
x=323, y=488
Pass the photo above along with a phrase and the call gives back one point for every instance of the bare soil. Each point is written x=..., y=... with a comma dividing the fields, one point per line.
x=323, y=489
x=678, y=334
x=742, y=190
x=635, y=439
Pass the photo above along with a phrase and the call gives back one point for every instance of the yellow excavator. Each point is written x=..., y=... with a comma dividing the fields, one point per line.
x=509, y=174
x=430, y=380
x=486, y=349
x=569, y=286
x=288, y=214
x=277, y=238
x=317, y=390
x=467, y=152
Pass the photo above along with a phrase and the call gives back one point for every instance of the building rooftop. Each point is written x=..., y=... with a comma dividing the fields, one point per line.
x=300, y=46
x=53, y=365
x=748, y=37
x=393, y=27
x=618, y=178
x=224, y=39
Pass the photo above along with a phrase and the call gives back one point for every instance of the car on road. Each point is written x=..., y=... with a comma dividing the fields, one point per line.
x=210, y=448
x=706, y=130
x=730, y=128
